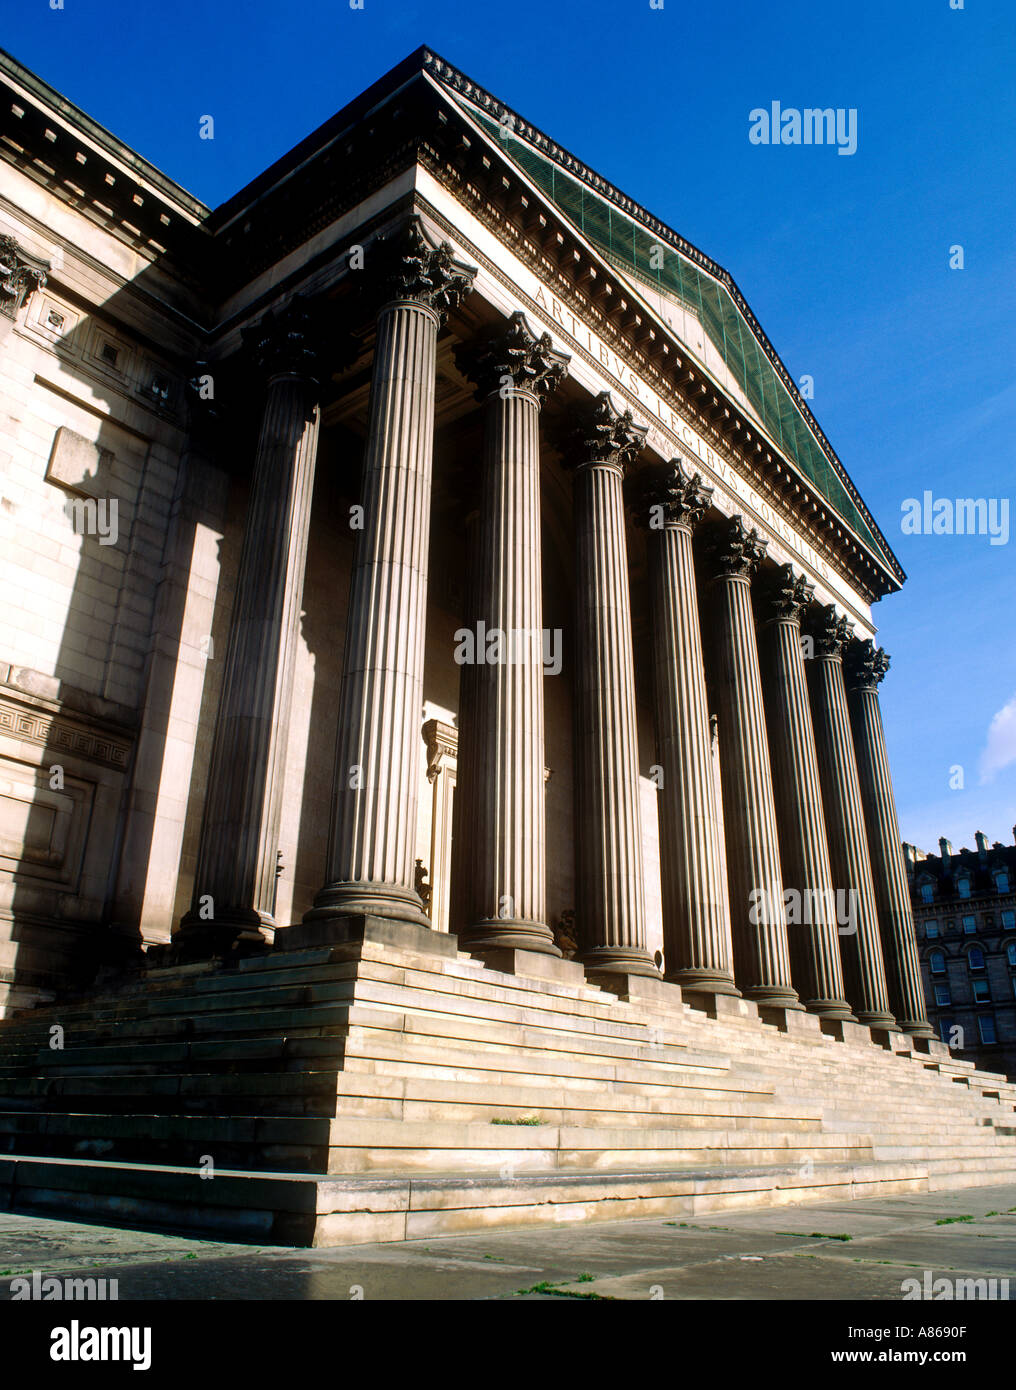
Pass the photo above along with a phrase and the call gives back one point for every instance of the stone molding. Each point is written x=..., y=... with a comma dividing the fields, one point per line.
x=51, y=731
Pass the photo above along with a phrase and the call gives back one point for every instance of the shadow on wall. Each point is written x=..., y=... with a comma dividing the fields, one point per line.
x=117, y=599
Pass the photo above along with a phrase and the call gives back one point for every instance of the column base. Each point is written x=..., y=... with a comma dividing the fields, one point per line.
x=932, y=1047
x=873, y=1019
x=354, y=928
x=509, y=933
x=774, y=997
x=696, y=980
x=917, y=1027
x=638, y=989
x=720, y=1005
x=790, y=1019
x=831, y=1008
x=352, y=899
x=511, y=961
x=619, y=960
x=845, y=1030
x=198, y=939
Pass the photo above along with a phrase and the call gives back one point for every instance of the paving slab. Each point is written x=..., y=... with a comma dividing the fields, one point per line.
x=787, y=1255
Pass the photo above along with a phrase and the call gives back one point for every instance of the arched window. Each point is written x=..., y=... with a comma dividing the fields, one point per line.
x=937, y=962
x=975, y=958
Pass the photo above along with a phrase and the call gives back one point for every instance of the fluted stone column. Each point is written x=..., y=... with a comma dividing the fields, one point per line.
x=235, y=877
x=670, y=503
x=609, y=891
x=378, y=748
x=841, y=798
x=865, y=667
x=804, y=850
x=758, y=921
x=501, y=722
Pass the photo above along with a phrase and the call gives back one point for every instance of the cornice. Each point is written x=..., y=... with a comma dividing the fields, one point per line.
x=456, y=82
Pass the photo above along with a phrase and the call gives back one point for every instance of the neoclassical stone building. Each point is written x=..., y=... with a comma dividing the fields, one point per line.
x=423, y=567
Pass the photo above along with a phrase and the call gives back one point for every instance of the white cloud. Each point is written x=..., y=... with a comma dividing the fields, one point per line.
x=1000, y=747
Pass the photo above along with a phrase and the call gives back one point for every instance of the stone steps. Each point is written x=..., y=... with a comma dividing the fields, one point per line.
x=319, y=1210
x=369, y=1072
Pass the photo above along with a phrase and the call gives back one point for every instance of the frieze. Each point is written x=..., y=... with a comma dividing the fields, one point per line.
x=50, y=731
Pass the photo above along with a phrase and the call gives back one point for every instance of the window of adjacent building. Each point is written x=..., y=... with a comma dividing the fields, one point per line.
x=981, y=995
x=943, y=995
x=1010, y=951
x=927, y=892
x=1009, y=920
x=986, y=1024
x=1002, y=881
x=931, y=928
x=975, y=958
x=963, y=885
x=970, y=925
x=945, y=1027
x=937, y=962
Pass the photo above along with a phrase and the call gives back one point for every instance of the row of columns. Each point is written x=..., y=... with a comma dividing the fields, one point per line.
x=803, y=790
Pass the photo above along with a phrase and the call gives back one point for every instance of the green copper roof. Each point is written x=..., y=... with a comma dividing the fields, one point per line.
x=634, y=249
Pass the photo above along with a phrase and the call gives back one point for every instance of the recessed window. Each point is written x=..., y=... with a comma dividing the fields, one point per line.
x=1002, y=881
x=1009, y=920
x=986, y=1024
x=975, y=958
x=927, y=892
x=109, y=354
x=981, y=994
x=969, y=925
x=937, y=962
x=943, y=995
x=931, y=927
x=963, y=886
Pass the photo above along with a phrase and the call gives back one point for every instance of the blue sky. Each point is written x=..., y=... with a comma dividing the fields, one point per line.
x=845, y=259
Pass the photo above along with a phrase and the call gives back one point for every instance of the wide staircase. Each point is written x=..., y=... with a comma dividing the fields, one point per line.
x=388, y=1086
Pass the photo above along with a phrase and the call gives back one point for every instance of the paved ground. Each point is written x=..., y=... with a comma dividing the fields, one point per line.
x=851, y=1250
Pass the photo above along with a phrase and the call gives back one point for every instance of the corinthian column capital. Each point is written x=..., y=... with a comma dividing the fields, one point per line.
x=830, y=630
x=785, y=594
x=513, y=359
x=412, y=269
x=736, y=550
x=865, y=665
x=21, y=274
x=605, y=436
x=666, y=494
x=287, y=341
